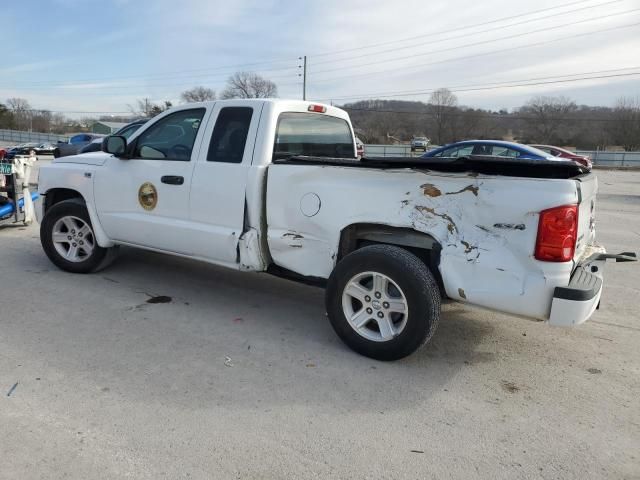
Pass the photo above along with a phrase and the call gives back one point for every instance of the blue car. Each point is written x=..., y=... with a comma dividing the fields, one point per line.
x=493, y=148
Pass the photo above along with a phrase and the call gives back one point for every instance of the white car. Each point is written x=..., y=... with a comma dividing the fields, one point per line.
x=274, y=186
x=419, y=143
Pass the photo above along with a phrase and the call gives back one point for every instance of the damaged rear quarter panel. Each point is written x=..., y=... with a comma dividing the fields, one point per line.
x=486, y=226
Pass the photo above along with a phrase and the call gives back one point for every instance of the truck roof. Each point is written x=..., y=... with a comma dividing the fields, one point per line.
x=280, y=104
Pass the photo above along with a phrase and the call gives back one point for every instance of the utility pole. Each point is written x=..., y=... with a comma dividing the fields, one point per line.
x=304, y=76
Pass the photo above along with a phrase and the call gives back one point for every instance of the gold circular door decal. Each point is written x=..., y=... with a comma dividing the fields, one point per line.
x=148, y=196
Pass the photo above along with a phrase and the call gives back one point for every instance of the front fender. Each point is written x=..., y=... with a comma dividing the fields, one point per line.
x=75, y=178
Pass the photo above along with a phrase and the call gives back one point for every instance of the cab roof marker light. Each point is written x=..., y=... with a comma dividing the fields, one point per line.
x=317, y=108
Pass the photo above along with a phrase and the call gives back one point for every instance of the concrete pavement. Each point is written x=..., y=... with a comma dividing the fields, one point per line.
x=241, y=376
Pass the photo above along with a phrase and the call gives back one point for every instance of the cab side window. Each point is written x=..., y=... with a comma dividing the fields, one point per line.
x=171, y=138
x=230, y=135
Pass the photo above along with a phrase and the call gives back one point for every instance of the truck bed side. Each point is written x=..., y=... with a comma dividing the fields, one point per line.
x=485, y=225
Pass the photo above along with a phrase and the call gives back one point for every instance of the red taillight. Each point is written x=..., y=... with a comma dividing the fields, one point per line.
x=317, y=108
x=557, y=234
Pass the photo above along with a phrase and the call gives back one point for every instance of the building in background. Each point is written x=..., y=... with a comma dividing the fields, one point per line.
x=106, y=128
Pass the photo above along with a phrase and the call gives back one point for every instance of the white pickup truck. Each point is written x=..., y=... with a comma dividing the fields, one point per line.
x=274, y=186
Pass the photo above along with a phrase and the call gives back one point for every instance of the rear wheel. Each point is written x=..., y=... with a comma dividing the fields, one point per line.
x=383, y=302
x=68, y=239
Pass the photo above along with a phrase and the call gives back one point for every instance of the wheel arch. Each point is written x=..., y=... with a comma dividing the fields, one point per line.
x=423, y=245
x=56, y=195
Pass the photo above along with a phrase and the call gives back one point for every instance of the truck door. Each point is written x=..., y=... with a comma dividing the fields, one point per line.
x=218, y=190
x=144, y=200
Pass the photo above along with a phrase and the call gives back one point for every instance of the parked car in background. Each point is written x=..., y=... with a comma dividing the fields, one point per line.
x=491, y=148
x=564, y=153
x=75, y=143
x=419, y=143
x=22, y=149
x=359, y=148
x=45, y=149
x=126, y=132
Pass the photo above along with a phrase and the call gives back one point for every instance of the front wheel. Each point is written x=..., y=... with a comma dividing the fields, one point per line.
x=67, y=237
x=383, y=302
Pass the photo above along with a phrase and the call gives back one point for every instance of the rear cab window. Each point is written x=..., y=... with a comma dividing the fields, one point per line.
x=313, y=134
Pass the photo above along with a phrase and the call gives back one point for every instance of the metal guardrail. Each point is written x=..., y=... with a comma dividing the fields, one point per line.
x=601, y=158
x=392, y=151
x=18, y=136
x=606, y=158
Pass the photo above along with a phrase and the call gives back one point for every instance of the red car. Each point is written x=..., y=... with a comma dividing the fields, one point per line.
x=563, y=153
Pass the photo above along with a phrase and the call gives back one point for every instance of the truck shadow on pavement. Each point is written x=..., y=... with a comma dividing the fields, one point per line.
x=224, y=331
x=227, y=339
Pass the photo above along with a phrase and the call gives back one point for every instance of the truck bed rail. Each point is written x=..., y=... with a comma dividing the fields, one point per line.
x=489, y=165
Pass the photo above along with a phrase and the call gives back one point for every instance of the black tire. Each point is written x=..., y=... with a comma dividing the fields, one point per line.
x=99, y=257
x=416, y=282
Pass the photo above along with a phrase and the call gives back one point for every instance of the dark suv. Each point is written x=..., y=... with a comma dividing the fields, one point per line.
x=75, y=143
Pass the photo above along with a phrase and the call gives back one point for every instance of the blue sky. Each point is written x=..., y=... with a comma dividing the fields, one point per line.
x=86, y=55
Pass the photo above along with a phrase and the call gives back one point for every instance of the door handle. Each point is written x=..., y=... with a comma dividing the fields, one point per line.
x=172, y=179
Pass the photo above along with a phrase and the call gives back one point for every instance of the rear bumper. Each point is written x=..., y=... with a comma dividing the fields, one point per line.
x=575, y=303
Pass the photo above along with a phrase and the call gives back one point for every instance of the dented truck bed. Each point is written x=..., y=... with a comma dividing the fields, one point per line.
x=480, y=214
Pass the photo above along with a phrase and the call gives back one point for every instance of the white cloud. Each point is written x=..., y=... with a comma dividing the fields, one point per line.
x=149, y=38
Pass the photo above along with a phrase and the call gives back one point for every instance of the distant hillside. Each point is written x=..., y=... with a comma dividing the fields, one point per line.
x=558, y=121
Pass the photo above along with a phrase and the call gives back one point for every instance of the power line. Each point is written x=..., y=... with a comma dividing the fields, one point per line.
x=78, y=85
x=483, y=42
x=505, y=116
x=475, y=55
x=466, y=34
x=71, y=87
x=181, y=72
x=476, y=88
x=467, y=27
x=403, y=93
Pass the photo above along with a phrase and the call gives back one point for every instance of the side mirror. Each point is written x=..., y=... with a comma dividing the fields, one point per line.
x=114, y=144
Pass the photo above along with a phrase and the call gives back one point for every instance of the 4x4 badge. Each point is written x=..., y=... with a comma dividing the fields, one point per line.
x=148, y=196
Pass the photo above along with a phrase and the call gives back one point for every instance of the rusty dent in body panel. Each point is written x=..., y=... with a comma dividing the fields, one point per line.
x=469, y=188
x=430, y=190
x=451, y=225
x=468, y=248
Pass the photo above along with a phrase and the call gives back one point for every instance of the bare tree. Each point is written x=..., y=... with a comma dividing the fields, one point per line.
x=625, y=123
x=198, y=94
x=442, y=106
x=41, y=121
x=147, y=108
x=22, y=114
x=249, y=85
x=58, y=123
x=546, y=116
x=6, y=117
